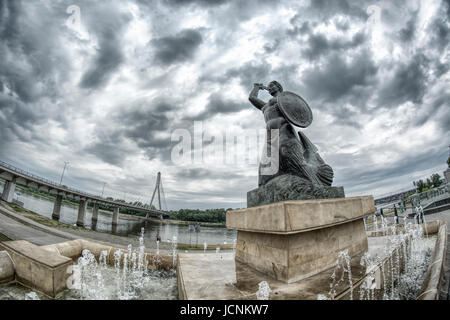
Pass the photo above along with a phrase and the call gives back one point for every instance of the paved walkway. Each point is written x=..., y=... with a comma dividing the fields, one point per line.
x=16, y=227
x=15, y=230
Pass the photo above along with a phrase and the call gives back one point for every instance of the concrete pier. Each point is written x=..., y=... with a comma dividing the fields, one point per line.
x=115, y=219
x=94, y=216
x=8, y=190
x=81, y=212
x=57, y=207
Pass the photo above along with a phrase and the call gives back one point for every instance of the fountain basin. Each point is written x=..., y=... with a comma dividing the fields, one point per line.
x=48, y=268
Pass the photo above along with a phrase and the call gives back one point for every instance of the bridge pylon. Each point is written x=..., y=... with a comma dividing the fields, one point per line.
x=157, y=189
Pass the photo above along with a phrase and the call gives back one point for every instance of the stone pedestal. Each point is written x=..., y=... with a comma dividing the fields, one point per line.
x=294, y=240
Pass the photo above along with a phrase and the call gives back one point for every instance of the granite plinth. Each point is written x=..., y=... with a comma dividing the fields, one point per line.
x=289, y=187
x=293, y=240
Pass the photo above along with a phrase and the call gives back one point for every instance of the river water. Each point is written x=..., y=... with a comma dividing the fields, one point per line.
x=128, y=226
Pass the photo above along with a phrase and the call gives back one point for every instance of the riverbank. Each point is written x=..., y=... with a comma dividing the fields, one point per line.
x=186, y=223
x=71, y=232
x=123, y=215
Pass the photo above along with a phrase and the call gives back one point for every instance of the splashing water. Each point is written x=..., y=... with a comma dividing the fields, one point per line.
x=367, y=289
x=31, y=296
x=174, y=251
x=130, y=277
x=343, y=263
x=264, y=291
x=398, y=274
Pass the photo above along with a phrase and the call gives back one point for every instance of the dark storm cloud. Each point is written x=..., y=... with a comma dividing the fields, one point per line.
x=107, y=24
x=272, y=47
x=218, y=105
x=142, y=123
x=329, y=8
x=206, y=3
x=339, y=73
x=408, y=32
x=180, y=47
x=110, y=147
x=440, y=33
x=16, y=120
x=319, y=45
x=408, y=82
x=337, y=78
x=429, y=111
x=142, y=126
x=446, y=5
x=33, y=66
x=30, y=62
x=298, y=26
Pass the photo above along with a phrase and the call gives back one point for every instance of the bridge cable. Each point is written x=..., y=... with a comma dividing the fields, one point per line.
x=163, y=196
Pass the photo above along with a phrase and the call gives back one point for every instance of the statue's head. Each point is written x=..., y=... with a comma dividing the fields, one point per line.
x=274, y=88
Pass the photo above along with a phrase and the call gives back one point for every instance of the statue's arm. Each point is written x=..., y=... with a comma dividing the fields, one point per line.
x=253, y=97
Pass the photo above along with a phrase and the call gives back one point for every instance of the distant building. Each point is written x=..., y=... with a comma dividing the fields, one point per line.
x=447, y=175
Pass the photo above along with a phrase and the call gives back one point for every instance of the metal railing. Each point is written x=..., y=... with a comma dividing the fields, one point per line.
x=36, y=178
x=428, y=196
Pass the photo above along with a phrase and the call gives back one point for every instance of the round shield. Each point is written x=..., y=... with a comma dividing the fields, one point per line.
x=295, y=109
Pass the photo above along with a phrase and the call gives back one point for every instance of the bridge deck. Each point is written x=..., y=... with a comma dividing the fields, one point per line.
x=10, y=172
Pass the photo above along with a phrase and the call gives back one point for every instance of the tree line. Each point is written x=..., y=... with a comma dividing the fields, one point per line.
x=208, y=215
x=433, y=181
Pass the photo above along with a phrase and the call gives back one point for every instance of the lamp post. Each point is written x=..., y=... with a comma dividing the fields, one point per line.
x=62, y=175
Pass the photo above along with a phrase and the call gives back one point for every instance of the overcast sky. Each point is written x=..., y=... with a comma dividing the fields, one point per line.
x=104, y=87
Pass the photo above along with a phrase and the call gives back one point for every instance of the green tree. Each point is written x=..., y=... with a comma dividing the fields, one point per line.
x=436, y=180
x=420, y=185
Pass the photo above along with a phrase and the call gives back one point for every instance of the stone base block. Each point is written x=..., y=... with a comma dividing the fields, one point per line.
x=294, y=240
x=38, y=268
x=294, y=257
x=289, y=187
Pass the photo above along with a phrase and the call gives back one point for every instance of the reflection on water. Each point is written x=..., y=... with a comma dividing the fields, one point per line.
x=128, y=226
